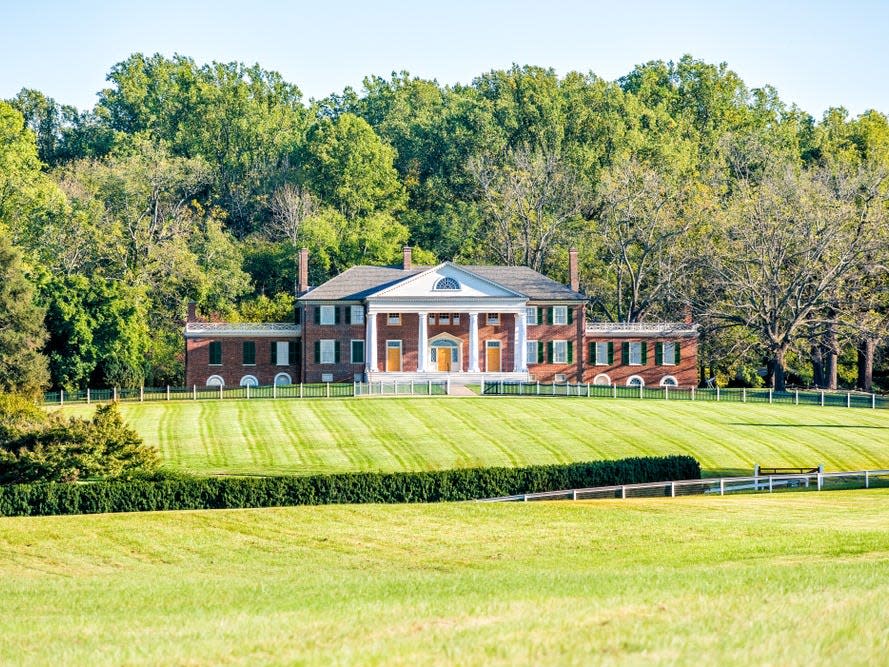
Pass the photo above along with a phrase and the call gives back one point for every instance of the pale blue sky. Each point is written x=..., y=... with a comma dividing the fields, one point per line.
x=818, y=54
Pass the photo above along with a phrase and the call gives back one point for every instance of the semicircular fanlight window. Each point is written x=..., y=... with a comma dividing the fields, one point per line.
x=447, y=283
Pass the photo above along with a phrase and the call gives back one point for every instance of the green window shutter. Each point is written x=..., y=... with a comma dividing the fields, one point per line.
x=273, y=352
x=658, y=354
x=570, y=350
x=549, y=315
x=625, y=353
x=336, y=352
x=570, y=315
x=336, y=314
x=317, y=314
x=248, y=350
x=677, y=355
x=540, y=357
x=540, y=316
x=357, y=352
x=348, y=310
x=317, y=351
x=291, y=352
x=549, y=352
x=644, y=345
x=610, y=353
x=591, y=356
x=215, y=352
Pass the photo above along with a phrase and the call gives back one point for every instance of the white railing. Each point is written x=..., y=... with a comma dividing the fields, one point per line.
x=722, y=485
x=641, y=327
x=403, y=388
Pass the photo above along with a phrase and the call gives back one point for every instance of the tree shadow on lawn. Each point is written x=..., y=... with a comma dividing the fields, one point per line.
x=806, y=425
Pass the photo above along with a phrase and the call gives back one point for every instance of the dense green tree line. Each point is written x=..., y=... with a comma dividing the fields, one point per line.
x=681, y=187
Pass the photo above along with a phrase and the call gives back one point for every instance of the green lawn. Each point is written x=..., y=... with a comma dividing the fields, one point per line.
x=336, y=435
x=785, y=579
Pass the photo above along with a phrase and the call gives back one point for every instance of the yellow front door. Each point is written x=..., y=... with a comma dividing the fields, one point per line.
x=393, y=356
x=444, y=360
x=493, y=357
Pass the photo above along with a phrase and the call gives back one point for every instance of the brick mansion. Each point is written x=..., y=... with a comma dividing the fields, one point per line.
x=464, y=323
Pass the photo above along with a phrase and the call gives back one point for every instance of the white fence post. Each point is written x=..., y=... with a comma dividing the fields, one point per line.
x=327, y=390
x=168, y=392
x=722, y=487
x=300, y=389
x=142, y=394
x=587, y=389
x=247, y=387
x=614, y=387
x=61, y=397
x=194, y=392
x=412, y=387
x=796, y=396
x=822, y=398
x=770, y=483
x=623, y=491
x=114, y=394
x=220, y=392
x=848, y=399
x=744, y=395
x=672, y=489
x=641, y=387
x=538, y=387
x=873, y=401
x=574, y=494
x=87, y=395
x=717, y=393
x=275, y=390
x=692, y=392
x=820, y=481
x=666, y=392
x=866, y=479
x=448, y=386
x=770, y=396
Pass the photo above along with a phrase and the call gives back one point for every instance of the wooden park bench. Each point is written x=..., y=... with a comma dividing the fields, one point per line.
x=763, y=471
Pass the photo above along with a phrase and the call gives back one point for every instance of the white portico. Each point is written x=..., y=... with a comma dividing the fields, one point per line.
x=429, y=325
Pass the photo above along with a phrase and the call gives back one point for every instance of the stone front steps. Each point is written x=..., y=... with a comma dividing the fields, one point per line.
x=457, y=379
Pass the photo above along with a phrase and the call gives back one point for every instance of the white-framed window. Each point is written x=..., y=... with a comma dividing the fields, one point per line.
x=560, y=351
x=668, y=356
x=560, y=377
x=602, y=379
x=249, y=381
x=328, y=315
x=493, y=319
x=432, y=318
x=532, y=352
x=444, y=318
x=602, y=353
x=447, y=283
x=282, y=353
x=635, y=381
x=357, y=315
x=455, y=320
x=531, y=315
x=215, y=381
x=560, y=315
x=393, y=319
x=635, y=355
x=669, y=381
x=326, y=377
x=328, y=353
x=356, y=355
x=283, y=379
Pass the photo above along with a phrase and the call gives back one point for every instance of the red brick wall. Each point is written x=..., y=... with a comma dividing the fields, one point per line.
x=685, y=371
x=546, y=372
x=342, y=332
x=198, y=368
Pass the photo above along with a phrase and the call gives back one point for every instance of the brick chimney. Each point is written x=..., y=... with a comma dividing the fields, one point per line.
x=406, y=260
x=303, y=280
x=573, y=280
x=192, y=312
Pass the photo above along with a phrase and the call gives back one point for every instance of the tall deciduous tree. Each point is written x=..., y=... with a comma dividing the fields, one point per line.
x=23, y=367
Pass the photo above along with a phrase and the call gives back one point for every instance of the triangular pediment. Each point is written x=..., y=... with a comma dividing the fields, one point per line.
x=447, y=281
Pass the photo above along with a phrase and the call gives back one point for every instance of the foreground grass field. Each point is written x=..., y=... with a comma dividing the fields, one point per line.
x=787, y=579
x=338, y=435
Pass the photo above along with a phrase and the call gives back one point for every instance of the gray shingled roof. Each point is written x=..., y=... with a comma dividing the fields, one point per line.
x=359, y=282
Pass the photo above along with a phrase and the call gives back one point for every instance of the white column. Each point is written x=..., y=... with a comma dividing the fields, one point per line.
x=473, y=342
x=370, y=342
x=520, y=338
x=421, y=343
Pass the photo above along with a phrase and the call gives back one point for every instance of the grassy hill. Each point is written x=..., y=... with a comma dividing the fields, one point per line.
x=336, y=435
x=785, y=579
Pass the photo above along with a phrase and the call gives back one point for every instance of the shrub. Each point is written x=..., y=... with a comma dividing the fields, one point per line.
x=160, y=492
x=65, y=451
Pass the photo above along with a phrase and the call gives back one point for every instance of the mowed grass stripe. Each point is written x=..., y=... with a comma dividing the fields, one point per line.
x=339, y=435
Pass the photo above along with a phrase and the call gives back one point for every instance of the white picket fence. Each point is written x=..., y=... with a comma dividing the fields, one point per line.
x=819, y=481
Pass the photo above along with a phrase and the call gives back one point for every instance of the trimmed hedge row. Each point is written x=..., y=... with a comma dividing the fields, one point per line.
x=366, y=487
